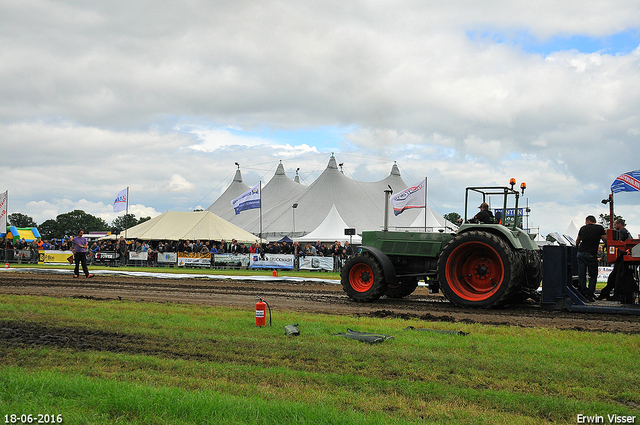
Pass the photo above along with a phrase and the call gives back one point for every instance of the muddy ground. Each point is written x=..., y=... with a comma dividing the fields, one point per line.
x=308, y=297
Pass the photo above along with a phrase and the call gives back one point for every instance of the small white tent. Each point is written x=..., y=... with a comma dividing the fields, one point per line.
x=572, y=231
x=331, y=229
x=435, y=222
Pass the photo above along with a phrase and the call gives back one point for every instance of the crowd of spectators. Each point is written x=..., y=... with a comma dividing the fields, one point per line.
x=337, y=250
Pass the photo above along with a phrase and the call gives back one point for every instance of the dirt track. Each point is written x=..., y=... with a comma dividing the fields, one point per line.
x=316, y=297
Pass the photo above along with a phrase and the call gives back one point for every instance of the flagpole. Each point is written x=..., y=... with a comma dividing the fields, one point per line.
x=426, y=206
x=127, y=213
x=260, y=212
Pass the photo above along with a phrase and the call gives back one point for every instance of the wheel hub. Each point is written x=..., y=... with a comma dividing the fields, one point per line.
x=481, y=271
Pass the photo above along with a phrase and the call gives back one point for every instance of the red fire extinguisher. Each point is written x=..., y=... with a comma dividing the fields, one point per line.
x=261, y=312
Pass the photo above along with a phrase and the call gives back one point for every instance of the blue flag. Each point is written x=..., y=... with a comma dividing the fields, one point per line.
x=248, y=200
x=627, y=182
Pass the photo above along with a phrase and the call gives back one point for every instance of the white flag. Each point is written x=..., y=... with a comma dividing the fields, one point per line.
x=411, y=197
x=120, y=203
x=3, y=211
x=248, y=200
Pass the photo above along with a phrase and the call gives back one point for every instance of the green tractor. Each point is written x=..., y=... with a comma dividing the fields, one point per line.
x=482, y=265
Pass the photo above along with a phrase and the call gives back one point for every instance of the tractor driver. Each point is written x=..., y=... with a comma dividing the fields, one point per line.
x=484, y=215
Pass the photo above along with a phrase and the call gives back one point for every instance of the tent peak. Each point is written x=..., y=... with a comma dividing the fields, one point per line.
x=280, y=169
x=238, y=176
x=395, y=171
x=333, y=164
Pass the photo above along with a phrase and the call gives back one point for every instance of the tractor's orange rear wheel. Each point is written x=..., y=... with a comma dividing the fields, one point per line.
x=479, y=269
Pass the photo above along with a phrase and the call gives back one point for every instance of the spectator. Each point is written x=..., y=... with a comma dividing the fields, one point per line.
x=589, y=237
x=34, y=251
x=121, y=248
x=80, y=254
x=605, y=293
x=348, y=250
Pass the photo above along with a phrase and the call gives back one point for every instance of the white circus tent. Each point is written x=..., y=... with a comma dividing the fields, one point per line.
x=360, y=204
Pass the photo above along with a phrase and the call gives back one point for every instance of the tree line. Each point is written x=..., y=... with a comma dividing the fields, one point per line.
x=68, y=224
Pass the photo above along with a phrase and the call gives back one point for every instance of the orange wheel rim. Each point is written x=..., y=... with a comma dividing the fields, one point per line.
x=474, y=271
x=361, y=277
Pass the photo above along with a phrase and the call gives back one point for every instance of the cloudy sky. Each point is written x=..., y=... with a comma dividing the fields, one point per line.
x=164, y=98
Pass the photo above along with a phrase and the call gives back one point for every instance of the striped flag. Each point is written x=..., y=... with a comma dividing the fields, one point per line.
x=627, y=182
x=411, y=197
x=248, y=200
x=3, y=211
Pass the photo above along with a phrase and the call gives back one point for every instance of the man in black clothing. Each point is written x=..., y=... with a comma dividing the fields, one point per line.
x=623, y=235
x=589, y=237
x=484, y=216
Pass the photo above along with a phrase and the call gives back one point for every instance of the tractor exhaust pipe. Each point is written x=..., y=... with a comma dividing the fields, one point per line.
x=387, y=193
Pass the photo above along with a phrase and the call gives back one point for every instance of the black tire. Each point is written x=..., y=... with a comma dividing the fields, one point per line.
x=479, y=269
x=533, y=275
x=404, y=287
x=362, y=279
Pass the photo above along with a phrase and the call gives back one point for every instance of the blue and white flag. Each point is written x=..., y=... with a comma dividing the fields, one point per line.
x=248, y=200
x=627, y=182
x=120, y=203
x=411, y=197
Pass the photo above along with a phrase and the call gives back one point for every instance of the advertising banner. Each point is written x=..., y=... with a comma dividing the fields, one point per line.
x=231, y=260
x=194, y=259
x=106, y=255
x=168, y=257
x=138, y=256
x=272, y=261
x=603, y=273
x=55, y=257
x=316, y=263
x=509, y=216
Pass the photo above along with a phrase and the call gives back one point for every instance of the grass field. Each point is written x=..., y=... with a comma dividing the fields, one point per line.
x=96, y=362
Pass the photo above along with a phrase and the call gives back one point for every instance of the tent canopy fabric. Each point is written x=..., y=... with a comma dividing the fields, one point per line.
x=359, y=204
x=188, y=225
x=331, y=229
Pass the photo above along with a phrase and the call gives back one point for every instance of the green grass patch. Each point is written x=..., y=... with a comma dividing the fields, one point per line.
x=127, y=362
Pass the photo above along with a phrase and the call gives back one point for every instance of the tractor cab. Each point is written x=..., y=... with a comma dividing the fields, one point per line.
x=501, y=200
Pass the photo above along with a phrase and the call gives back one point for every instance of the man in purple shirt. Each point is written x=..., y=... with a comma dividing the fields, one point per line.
x=79, y=249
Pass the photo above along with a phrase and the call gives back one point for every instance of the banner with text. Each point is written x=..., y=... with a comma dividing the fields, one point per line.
x=316, y=263
x=272, y=261
x=231, y=260
x=194, y=259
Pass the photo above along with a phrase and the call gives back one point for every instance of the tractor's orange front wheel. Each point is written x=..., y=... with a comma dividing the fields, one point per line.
x=479, y=269
x=362, y=278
